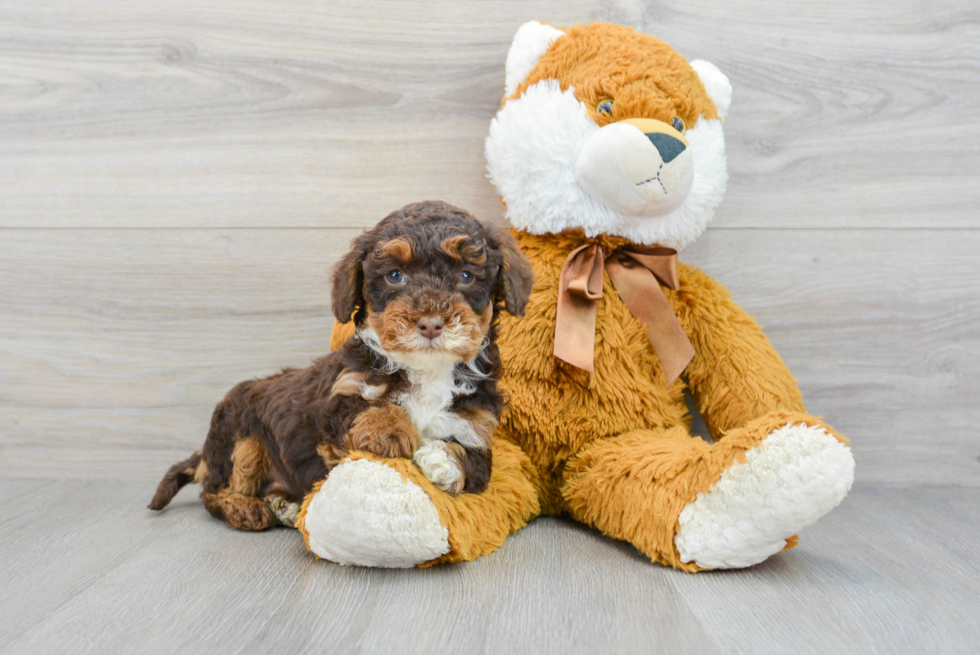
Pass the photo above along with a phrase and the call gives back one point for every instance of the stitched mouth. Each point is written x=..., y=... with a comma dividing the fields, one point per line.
x=655, y=178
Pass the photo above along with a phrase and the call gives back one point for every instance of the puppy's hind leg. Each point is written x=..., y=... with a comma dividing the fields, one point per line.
x=239, y=503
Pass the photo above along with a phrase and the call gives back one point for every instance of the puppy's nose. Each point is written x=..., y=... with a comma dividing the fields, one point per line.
x=430, y=327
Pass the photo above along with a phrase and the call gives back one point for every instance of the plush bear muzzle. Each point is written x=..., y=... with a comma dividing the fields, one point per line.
x=639, y=166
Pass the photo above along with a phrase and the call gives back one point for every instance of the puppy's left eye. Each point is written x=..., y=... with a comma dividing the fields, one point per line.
x=465, y=277
x=395, y=277
x=678, y=124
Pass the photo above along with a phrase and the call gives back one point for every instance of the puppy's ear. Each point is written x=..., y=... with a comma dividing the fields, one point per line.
x=515, y=278
x=347, y=294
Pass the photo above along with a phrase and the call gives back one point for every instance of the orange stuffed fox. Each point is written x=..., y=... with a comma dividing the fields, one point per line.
x=608, y=143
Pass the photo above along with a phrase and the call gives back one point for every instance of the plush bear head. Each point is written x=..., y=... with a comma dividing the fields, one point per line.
x=610, y=131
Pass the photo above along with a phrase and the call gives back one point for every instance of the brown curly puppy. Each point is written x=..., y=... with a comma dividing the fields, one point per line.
x=417, y=380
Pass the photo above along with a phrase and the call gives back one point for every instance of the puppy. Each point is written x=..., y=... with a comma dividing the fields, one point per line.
x=417, y=380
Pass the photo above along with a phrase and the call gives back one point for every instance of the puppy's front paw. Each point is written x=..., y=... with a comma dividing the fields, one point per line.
x=386, y=431
x=438, y=463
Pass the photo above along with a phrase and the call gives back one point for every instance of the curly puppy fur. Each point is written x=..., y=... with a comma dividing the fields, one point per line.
x=419, y=376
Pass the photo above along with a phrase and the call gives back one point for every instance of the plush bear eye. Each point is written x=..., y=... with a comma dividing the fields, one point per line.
x=678, y=124
x=465, y=277
x=395, y=277
x=604, y=107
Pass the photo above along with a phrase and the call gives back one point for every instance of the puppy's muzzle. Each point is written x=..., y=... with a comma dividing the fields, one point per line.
x=430, y=321
x=639, y=166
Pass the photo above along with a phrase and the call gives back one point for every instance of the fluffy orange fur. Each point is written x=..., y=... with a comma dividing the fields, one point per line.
x=613, y=449
x=646, y=76
x=621, y=419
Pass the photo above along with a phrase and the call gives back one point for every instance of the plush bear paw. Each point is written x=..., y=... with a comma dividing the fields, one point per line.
x=793, y=477
x=367, y=514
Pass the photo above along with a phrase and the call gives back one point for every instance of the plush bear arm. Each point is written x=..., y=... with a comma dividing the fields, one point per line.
x=341, y=333
x=736, y=375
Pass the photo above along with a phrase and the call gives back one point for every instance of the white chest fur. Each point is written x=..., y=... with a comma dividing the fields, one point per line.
x=428, y=403
x=434, y=384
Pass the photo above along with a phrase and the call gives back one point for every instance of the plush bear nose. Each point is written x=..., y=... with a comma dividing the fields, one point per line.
x=668, y=146
x=430, y=328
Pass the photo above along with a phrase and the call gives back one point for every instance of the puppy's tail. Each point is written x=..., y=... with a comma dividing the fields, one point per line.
x=179, y=474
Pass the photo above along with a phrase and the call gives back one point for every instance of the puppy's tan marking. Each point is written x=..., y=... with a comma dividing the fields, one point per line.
x=249, y=461
x=354, y=383
x=463, y=334
x=201, y=474
x=348, y=383
x=192, y=471
x=240, y=511
x=450, y=245
x=460, y=248
x=387, y=431
x=398, y=248
x=397, y=325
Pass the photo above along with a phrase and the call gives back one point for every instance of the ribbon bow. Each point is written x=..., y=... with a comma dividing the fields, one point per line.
x=637, y=273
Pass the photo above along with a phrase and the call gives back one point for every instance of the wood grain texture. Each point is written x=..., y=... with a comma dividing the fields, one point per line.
x=175, y=181
x=294, y=114
x=893, y=570
x=116, y=344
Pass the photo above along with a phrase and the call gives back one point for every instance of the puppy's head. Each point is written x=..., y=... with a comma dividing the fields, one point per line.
x=425, y=283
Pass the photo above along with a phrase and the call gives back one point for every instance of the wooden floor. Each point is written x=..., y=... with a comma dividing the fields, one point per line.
x=892, y=571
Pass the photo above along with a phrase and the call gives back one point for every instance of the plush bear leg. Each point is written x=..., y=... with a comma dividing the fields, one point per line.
x=385, y=513
x=694, y=505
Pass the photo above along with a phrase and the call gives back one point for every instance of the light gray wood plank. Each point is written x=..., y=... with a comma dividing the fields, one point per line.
x=579, y=581
x=890, y=571
x=59, y=539
x=116, y=344
x=120, y=114
x=13, y=492
x=111, y=339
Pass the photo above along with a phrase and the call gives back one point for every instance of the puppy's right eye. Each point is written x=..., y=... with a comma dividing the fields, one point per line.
x=395, y=277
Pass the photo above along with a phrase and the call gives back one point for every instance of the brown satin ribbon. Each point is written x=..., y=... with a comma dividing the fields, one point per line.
x=637, y=273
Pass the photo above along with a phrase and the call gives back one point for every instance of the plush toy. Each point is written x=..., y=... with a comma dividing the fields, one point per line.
x=608, y=153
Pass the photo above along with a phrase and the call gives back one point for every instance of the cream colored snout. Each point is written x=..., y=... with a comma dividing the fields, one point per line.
x=638, y=166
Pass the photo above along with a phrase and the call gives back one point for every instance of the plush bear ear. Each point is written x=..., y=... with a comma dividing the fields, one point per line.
x=531, y=41
x=716, y=84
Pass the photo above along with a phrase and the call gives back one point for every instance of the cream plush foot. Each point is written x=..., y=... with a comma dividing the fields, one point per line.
x=793, y=477
x=367, y=514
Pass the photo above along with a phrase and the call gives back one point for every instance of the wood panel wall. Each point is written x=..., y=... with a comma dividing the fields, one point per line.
x=177, y=178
